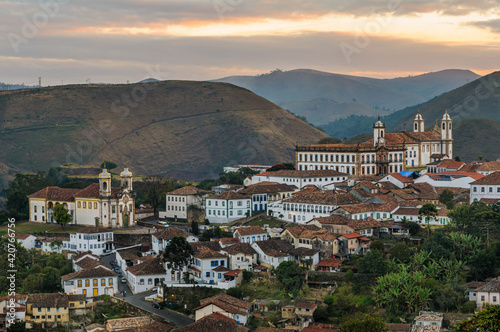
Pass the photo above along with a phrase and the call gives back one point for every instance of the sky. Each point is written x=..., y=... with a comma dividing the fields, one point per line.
x=116, y=41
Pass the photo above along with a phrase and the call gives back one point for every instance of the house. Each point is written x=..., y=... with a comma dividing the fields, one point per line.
x=445, y=165
x=412, y=214
x=12, y=310
x=209, y=266
x=488, y=167
x=98, y=241
x=427, y=321
x=488, y=293
x=288, y=312
x=329, y=265
x=305, y=206
x=25, y=239
x=88, y=263
x=180, y=200
x=84, y=256
x=241, y=256
x=272, y=252
x=121, y=324
x=125, y=257
x=472, y=288
x=353, y=243
x=305, y=310
x=98, y=205
x=49, y=309
x=398, y=180
x=250, y=234
x=52, y=245
x=266, y=192
x=228, y=241
x=227, y=206
x=146, y=273
x=300, y=178
x=91, y=282
x=226, y=305
x=311, y=237
x=214, y=322
x=487, y=187
x=450, y=179
x=161, y=238
x=267, y=305
x=364, y=210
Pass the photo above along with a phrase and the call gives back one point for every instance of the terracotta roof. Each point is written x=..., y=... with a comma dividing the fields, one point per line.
x=233, y=273
x=229, y=240
x=424, y=136
x=490, y=179
x=148, y=267
x=301, y=251
x=401, y=178
x=227, y=195
x=475, y=284
x=304, y=174
x=55, y=194
x=87, y=263
x=250, y=230
x=221, y=268
x=451, y=163
x=388, y=185
x=228, y=303
x=326, y=197
x=335, y=219
x=296, y=230
x=207, y=253
x=170, y=232
x=492, y=286
x=126, y=323
x=490, y=201
x=48, y=300
x=352, y=235
x=368, y=207
x=240, y=248
x=83, y=254
x=363, y=224
x=330, y=263
x=155, y=326
x=214, y=322
x=306, y=305
x=274, y=247
x=89, y=273
x=489, y=166
x=213, y=245
x=320, y=327
x=394, y=139
x=93, y=230
x=188, y=190
x=269, y=329
x=19, y=236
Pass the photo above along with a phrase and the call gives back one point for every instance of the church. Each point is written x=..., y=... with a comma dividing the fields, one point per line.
x=384, y=153
x=98, y=205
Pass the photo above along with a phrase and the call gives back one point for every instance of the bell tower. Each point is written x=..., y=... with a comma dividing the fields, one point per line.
x=418, y=123
x=378, y=132
x=126, y=179
x=105, y=183
x=446, y=135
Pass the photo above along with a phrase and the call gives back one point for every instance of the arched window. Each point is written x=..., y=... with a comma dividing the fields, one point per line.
x=104, y=186
x=416, y=127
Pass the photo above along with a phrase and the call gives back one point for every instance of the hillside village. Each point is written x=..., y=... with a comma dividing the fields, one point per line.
x=392, y=233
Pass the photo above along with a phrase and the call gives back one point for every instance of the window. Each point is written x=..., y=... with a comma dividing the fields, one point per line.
x=87, y=283
x=207, y=274
x=79, y=204
x=482, y=298
x=214, y=263
x=482, y=189
x=103, y=282
x=474, y=189
x=95, y=205
x=110, y=281
x=141, y=282
x=491, y=189
x=84, y=205
x=150, y=281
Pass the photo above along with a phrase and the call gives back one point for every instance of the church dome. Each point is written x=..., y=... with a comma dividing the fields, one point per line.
x=418, y=117
x=446, y=116
x=104, y=174
x=126, y=173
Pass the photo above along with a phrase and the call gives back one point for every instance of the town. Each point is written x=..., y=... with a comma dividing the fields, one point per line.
x=392, y=234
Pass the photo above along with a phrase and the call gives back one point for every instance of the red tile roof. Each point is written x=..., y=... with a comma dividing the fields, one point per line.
x=490, y=179
x=401, y=178
x=227, y=195
x=188, y=190
x=352, y=235
x=304, y=174
x=228, y=303
x=148, y=267
x=207, y=253
x=330, y=263
x=250, y=230
x=55, y=194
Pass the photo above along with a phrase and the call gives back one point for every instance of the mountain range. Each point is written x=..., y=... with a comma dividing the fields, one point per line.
x=325, y=97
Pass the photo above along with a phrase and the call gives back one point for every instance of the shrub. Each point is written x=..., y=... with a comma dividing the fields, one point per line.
x=468, y=307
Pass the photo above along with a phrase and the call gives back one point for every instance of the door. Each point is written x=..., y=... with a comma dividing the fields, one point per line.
x=96, y=291
x=84, y=292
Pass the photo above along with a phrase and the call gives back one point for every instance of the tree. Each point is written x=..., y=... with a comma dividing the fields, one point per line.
x=51, y=280
x=153, y=190
x=446, y=197
x=278, y=167
x=429, y=211
x=368, y=324
x=371, y=266
x=17, y=327
x=178, y=253
x=194, y=228
x=109, y=165
x=289, y=275
x=485, y=320
x=482, y=264
x=412, y=226
x=61, y=215
x=377, y=245
x=401, y=252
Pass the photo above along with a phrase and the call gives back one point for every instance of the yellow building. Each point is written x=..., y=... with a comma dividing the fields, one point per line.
x=49, y=309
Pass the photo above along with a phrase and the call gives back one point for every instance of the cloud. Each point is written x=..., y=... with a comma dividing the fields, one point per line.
x=492, y=25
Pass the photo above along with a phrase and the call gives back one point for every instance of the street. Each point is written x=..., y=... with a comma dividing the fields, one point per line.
x=171, y=316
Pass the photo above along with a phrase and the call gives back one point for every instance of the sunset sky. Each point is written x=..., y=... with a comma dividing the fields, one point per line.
x=114, y=41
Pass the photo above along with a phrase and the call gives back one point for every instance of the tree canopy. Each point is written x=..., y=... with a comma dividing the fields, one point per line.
x=485, y=320
x=289, y=275
x=62, y=216
x=368, y=324
x=178, y=253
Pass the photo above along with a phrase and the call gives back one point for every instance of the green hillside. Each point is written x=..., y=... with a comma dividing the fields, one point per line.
x=177, y=128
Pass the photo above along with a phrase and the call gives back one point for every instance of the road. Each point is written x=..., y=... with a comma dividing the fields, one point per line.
x=171, y=316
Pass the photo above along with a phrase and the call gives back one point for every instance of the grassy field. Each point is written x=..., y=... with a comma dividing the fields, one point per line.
x=34, y=227
x=266, y=221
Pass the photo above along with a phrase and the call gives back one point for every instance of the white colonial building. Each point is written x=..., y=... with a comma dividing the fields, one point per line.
x=179, y=201
x=91, y=282
x=97, y=205
x=209, y=266
x=227, y=207
x=298, y=178
x=385, y=153
x=161, y=238
x=96, y=240
x=486, y=188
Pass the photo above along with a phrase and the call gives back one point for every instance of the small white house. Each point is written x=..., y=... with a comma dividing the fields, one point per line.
x=161, y=238
x=487, y=187
x=411, y=214
x=179, y=201
x=226, y=305
x=272, y=253
x=250, y=234
x=241, y=256
x=209, y=266
x=27, y=240
x=96, y=240
x=146, y=274
x=227, y=207
x=488, y=293
x=91, y=282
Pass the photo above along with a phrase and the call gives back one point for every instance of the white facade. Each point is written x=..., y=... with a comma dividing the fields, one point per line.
x=273, y=261
x=96, y=242
x=159, y=245
x=143, y=283
x=451, y=180
x=51, y=247
x=300, y=212
x=298, y=179
x=27, y=241
x=179, y=201
x=411, y=214
x=207, y=267
x=225, y=210
x=96, y=286
x=487, y=187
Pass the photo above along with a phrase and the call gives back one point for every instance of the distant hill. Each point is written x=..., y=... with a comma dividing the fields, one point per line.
x=176, y=128
x=299, y=91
